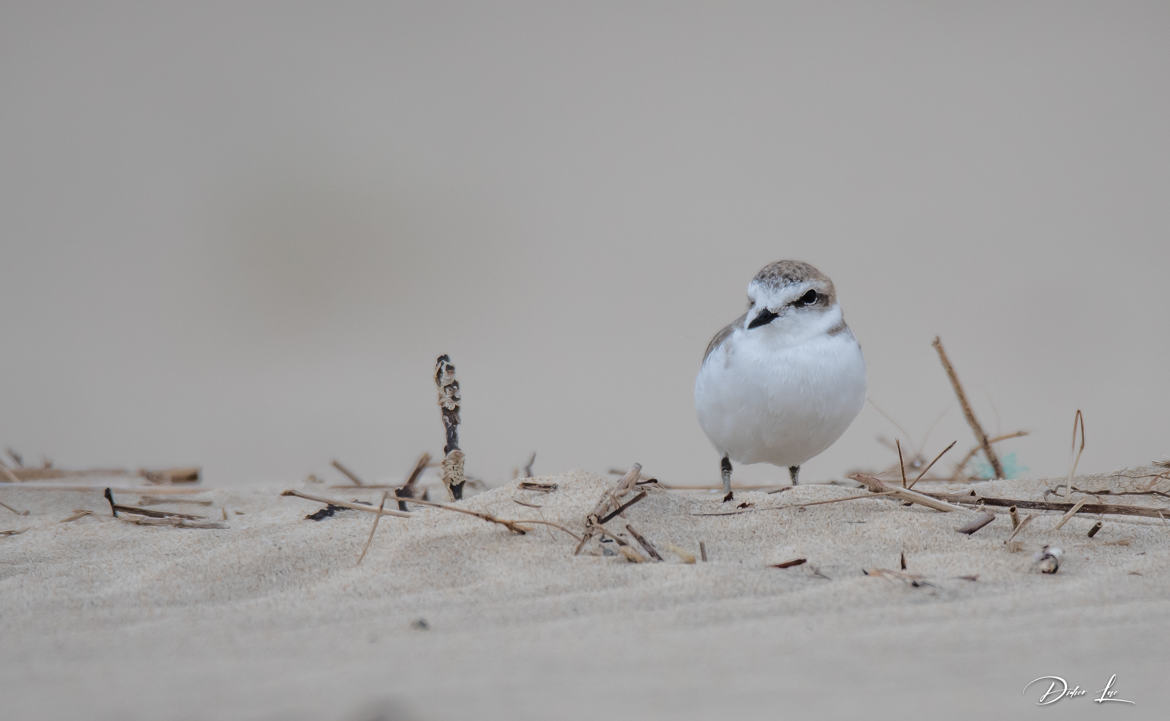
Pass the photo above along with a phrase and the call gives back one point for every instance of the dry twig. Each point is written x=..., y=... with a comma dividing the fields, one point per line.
x=980, y=435
x=610, y=505
x=348, y=473
x=407, y=490
x=19, y=513
x=381, y=507
x=449, y=401
x=115, y=507
x=976, y=524
x=646, y=545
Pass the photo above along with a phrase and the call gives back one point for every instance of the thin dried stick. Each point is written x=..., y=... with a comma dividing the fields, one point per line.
x=877, y=485
x=649, y=547
x=610, y=500
x=702, y=551
x=980, y=435
x=407, y=490
x=795, y=505
x=156, y=490
x=186, y=474
x=19, y=513
x=16, y=457
x=344, y=504
x=1070, y=513
x=976, y=524
x=1093, y=508
x=158, y=501
x=1015, y=517
x=609, y=516
x=1078, y=422
x=80, y=513
x=1015, y=532
x=528, y=465
x=347, y=473
x=901, y=463
x=381, y=507
x=931, y=464
x=542, y=486
x=115, y=507
x=14, y=532
x=449, y=401
x=173, y=522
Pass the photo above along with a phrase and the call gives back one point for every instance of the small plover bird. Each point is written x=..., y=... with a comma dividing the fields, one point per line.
x=783, y=381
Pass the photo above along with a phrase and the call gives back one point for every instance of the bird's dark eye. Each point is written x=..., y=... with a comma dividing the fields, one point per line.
x=808, y=298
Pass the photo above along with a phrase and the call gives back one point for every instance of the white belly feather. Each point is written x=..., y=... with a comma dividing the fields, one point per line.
x=780, y=405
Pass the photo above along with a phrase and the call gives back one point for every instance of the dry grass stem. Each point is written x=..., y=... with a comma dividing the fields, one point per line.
x=980, y=434
x=930, y=465
x=1015, y=516
x=1023, y=524
x=795, y=505
x=19, y=513
x=976, y=524
x=13, y=532
x=149, y=513
x=541, y=486
x=1078, y=423
x=1096, y=527
x=79, y=513
x=347, y=473
x=702, y=551
x=160, y=500
x=407, y=489
x=185, y=474
x=1093, y=508
x=374, y=528
x=790, y=564
x=1070, y=513
x=646, y=545
x=343, y=504
x=173, y=522
x=610, y=504
x=901, y=462
x=877, y=485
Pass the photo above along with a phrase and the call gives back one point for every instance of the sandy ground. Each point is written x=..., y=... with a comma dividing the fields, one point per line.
x=453, y=617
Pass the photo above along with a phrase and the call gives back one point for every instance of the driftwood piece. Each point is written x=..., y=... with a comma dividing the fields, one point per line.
x=450, y=399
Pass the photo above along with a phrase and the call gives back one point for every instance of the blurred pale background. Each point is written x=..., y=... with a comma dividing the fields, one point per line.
x=238, y=234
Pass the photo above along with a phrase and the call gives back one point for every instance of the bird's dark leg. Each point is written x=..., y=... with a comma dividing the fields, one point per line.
x=794, y=471
x=725, y=466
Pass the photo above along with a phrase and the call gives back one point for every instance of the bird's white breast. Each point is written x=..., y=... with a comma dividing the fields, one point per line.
x=761, y=401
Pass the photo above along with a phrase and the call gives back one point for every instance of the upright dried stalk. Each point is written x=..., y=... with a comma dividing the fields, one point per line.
x=449, y=397
x=980, y=434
